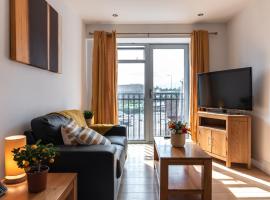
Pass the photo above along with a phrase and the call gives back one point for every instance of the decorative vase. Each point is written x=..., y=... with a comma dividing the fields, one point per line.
x=89, y=122
x=37, y=181
x=178, y=139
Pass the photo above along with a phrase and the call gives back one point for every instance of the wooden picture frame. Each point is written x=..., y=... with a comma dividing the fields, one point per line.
x=35, y=34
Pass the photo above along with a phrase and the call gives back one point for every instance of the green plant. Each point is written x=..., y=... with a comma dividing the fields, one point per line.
x=32, y=157
x=178, y=127
x=88, y=114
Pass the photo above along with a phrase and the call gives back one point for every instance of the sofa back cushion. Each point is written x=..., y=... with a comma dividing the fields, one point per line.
x=48, y=128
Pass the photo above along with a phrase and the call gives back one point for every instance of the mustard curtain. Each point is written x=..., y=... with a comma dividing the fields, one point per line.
x=199, y=63
x=104, y=78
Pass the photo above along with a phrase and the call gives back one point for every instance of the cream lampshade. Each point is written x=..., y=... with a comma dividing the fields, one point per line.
x=13, y=173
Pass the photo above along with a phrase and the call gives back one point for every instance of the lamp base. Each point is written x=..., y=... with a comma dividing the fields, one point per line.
x=14, y=179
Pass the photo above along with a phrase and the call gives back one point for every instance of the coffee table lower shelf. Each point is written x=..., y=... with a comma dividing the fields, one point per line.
x=182, y=180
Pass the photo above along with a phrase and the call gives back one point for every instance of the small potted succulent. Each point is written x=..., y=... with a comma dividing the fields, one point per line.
x=178, y=133
x=33, y=159
x=88, y=115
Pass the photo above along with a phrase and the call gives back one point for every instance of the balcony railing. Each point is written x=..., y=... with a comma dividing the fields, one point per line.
x=166, y=106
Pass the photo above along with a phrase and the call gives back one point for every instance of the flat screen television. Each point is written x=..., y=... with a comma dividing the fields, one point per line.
x=228, y=89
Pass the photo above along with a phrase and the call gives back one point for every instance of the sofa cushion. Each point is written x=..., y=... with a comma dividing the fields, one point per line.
x=73, y=134
x=70, y=132
x=120, y=140
x=89, y=136
x=120, y=155
x=48, y=128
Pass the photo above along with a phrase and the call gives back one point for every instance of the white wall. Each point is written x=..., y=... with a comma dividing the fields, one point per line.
x=27, y=92
x=249, y=45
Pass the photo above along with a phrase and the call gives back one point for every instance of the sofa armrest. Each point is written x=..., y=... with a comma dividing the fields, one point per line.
x=30, y=138
x=117, y=130
x=95, y=165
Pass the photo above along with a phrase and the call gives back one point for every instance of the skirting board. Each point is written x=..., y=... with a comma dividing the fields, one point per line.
x=262, y=165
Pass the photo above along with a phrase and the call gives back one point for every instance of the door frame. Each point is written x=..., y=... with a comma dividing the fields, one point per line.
x=148, y=83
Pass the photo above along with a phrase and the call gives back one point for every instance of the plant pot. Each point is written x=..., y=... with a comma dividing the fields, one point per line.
x=37, y=181
x=89, y=122
x=178, y=139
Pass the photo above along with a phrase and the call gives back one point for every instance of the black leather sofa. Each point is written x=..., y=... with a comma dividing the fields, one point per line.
x=99, y=167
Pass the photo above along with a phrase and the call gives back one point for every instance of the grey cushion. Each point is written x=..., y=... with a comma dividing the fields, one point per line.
x=120, y=140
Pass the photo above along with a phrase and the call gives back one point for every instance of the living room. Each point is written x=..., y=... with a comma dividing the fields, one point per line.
x=143, y=69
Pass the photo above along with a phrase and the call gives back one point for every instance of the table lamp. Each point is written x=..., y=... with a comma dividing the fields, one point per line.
x=13, y=173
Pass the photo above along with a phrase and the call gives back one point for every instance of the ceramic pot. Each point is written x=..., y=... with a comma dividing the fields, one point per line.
x=88, y=122
x=178, y=140
x=37, y=181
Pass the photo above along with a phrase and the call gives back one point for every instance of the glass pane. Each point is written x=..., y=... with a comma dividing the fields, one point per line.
x=130, y=54
x=168, y=101
x=131, y=98
x=168, y=69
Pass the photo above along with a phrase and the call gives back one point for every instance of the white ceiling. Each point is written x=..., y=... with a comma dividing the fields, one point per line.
x=156, y=11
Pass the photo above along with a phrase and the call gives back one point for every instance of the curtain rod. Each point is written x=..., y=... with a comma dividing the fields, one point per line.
x=183, y=33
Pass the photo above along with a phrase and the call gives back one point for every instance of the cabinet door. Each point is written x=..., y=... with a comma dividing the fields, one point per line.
x=219, y=143
x=204, y=139
x=239, y=140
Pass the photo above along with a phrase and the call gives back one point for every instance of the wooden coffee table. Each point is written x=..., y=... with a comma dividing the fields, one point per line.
x=60, y=186
x=182, y=171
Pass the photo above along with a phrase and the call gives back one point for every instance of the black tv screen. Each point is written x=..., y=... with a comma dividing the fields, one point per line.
x=229, y=89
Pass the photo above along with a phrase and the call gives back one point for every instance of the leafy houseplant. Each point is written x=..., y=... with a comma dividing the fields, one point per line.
x=88, y=115
x=33, y=159
x=178, y=133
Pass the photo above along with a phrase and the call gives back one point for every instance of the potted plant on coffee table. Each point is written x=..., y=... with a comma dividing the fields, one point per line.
x=178, y=133
x=33, y=159
x=88, y=115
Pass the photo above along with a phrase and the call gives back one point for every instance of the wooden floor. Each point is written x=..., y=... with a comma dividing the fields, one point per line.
x=139, y=182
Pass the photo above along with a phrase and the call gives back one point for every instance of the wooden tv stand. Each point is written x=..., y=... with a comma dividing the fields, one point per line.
x=225, y=137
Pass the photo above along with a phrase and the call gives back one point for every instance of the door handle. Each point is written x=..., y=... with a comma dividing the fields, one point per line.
x=150, y=93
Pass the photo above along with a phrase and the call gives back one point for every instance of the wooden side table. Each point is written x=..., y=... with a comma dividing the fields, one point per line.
x=60, y=186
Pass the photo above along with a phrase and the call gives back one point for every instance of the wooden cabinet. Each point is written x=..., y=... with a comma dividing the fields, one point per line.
x=226, y=137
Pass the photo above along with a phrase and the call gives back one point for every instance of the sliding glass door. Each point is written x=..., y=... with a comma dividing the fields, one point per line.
x=152, y=88
x=170, y=79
